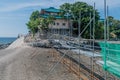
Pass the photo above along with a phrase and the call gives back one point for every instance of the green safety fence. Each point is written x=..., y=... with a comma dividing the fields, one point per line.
x=111, y=57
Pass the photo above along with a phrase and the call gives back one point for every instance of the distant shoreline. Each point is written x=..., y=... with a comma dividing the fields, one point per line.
x=6, y=41
x=3, y=46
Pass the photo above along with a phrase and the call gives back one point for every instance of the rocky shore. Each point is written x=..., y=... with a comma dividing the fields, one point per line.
x=3, y=46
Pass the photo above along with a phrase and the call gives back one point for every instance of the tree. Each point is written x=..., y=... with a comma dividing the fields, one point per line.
x=45, y=22
x=99, y=30
x=33, y=22
x=37, y=23
x=32, y=26
x=35, y=15
x=114, y=25
x=85, y=9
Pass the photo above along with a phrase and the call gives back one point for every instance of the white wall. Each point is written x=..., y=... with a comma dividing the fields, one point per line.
x=60, y=22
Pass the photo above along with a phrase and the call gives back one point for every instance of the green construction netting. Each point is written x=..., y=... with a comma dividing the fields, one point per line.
x=111, y=57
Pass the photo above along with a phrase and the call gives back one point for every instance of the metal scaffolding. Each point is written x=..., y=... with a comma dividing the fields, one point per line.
x=80, y=55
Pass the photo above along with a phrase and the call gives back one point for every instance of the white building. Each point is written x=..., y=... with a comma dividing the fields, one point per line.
x=61, y=25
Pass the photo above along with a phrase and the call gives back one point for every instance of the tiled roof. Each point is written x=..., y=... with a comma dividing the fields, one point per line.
x=52, y=9
x=46, y=16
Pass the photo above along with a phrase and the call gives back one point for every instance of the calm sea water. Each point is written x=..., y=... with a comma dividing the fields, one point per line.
x=5, y=40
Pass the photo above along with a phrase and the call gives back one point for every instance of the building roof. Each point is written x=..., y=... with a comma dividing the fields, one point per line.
x=52, y=9
x=55, y=16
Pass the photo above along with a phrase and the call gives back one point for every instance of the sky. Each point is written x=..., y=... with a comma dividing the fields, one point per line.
x=14, y=14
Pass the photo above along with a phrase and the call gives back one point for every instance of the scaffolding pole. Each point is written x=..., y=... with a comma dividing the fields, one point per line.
x=105, y=37
x=79, y=30
x=108, y=29
x=90, y=45
x=93, y=34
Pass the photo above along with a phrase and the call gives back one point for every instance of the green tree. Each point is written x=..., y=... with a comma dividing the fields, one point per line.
x=35, y=15
x=37, y=23
x=33, y=22
x=99, y=30
x=45, y=22
x=32, y=26
x=85, y=9
x=114, y=26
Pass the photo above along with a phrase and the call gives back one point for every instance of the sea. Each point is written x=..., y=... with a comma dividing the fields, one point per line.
x=7, y=40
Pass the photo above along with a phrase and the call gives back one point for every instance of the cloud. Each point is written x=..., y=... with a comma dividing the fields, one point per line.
x=14, y=7
x=100, y=3
x=57, y=3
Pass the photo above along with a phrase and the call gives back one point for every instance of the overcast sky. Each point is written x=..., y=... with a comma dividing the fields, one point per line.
x=14, y=14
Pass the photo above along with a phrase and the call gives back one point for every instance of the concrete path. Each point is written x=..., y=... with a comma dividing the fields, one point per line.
x=20, y=62
x=17, y=43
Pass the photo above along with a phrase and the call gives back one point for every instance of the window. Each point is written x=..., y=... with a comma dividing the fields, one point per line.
x=57, y=23
x=63, y=24
x=53, y=23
